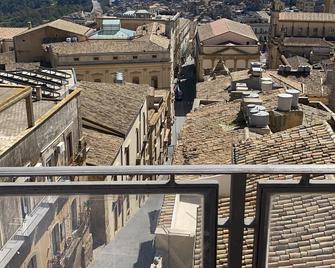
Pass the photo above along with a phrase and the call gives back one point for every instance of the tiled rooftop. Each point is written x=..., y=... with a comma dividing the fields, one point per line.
x=223, y=26
x=208, y=135
x=114, y=106
x=214, y=89
x=306, y=41
x=103, y=148
x=10, y=32
x=109, y=46
x=306, y=16
x=314, y=84
x=302, y=230
x=13, y=121
x=65, y=26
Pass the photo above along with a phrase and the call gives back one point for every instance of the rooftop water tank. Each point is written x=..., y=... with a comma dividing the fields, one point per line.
x=295, y=93
x=260, y=119
x=248, y=108
x=266, y=85
x=253, y=110
x=284, y=102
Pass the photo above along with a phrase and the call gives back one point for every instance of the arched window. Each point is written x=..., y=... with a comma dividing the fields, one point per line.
x=136, y=80
x=33, y=262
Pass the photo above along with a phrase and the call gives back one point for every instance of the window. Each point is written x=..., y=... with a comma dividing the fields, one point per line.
x=115, y=212
x=74, y=218
x=97, y=80
x=76, y=59
x=69, y=148
x=144, y=124
x=32, y=263
x=135, y=57
x=115, y=58
x=136, y=80
x=62, y=231
x=315, y=31
x=96, y=58
x=138, y=142
x=127, y=202
x=154, y=56
x=127, y=156
x=25, y=206
x=55, y=239
x=154, y=81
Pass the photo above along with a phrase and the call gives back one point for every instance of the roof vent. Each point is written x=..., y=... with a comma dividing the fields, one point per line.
x=284, y=102
x=295, y=93
x=118, y=78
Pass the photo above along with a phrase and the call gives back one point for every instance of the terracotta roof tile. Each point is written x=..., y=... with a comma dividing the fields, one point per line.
x=113, y=106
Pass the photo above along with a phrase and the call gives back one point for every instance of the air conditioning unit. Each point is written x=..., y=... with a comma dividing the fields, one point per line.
x=60, y=147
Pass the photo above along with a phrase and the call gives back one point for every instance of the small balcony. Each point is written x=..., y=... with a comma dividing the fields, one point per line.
x=204, y=217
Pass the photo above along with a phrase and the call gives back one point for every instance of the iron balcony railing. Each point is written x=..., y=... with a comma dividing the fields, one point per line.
x=236, y=222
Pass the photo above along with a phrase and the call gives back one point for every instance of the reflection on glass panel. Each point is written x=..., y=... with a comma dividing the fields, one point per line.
x=301, y=229
x=101, y=230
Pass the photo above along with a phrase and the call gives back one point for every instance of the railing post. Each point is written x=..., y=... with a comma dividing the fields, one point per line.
x=210, y=228
x=236, y=226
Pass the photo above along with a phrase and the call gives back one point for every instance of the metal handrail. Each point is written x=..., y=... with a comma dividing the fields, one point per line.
x=165, y=170
x=235, y=222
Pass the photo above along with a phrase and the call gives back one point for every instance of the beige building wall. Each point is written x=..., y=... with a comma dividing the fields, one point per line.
x=28, y=46
x=235, y=58
x=6, y=45
x=306, y=29
x=137, y=73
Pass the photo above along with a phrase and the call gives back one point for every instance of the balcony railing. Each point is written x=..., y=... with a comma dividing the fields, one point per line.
x=235, y=223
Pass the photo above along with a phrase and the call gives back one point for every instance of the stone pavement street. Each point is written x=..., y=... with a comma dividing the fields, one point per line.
x=133, y=245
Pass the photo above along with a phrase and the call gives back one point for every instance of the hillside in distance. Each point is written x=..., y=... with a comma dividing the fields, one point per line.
x=20, y=12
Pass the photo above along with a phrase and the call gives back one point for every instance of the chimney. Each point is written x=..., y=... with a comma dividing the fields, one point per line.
x=295, y=97
x=38, y=93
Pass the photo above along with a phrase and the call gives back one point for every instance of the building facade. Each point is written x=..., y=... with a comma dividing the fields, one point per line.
x=234, y=43
x=299, y=25
x=6, y=38
x=133, y=131
x=143, y=60
x=47, y=231
x=28, y=45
